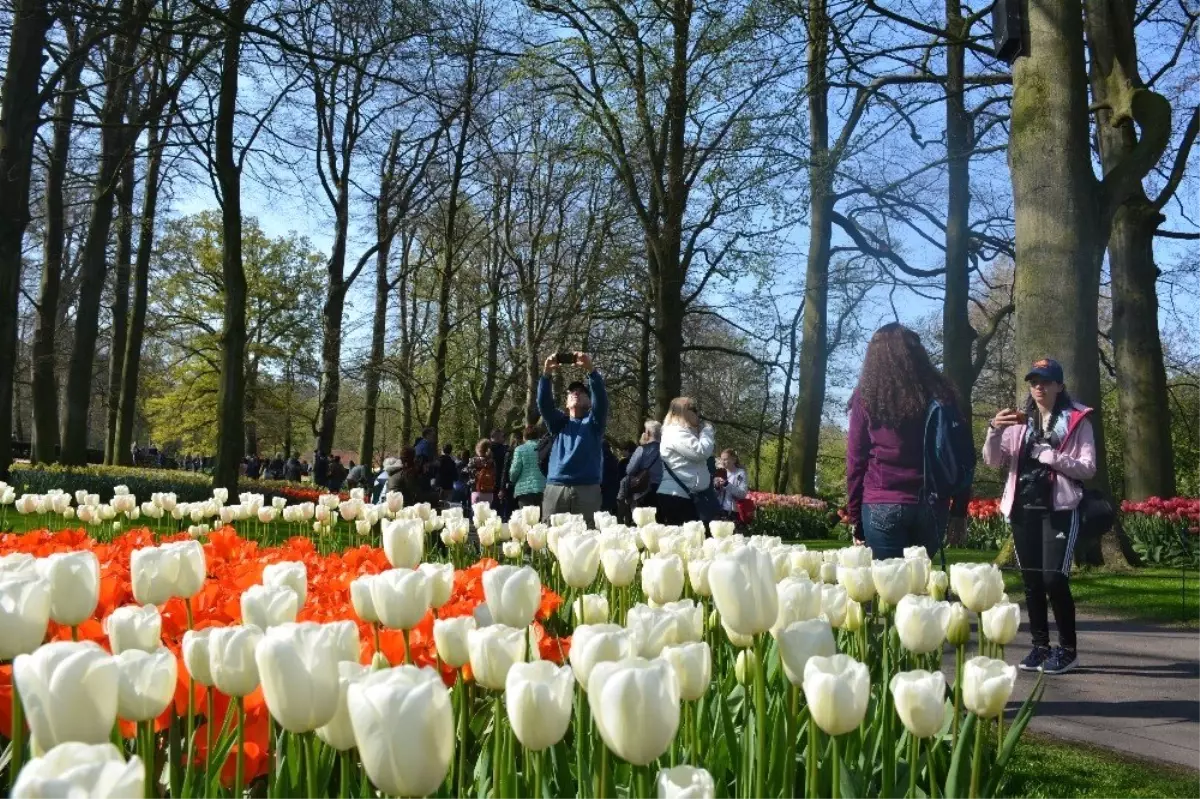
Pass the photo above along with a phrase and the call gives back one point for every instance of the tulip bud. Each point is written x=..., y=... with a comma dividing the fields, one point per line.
x=404, y=542
x=697, y=569
x=921, y=623
x=978, y=585
x=837, y=689
x=987, y=684
x=858, y=582
x=692, y=663
x=643, y=516
x=834, y=600
x=512, y=550
x=77, y=769
x=24, y=609
x=920, y=700
x=590, y=609
x=939, y=581
x=196, y=655
x=450, y=637
x=620, y=566
x=597, y=643
x=133, y=627
x=685, y=782
x=266, y=606
x=404, y=728
x=146, y=683
x=579, y=558
x=743, y=585
x=513, y=594
x=538, y=698
x=1000, y=622
x=231, y=660
x=338, y=732
x=799, y=600
x=918, y=574
x=360, y=599
x=635, y=688
x=401, y=597
x=662, y=578
x=293, y=574
x=297, y=664
x=891, y=579
x=379, y=662
x=855, y=617
x=958, y=625
x=493, y=651
x=69, y=692
x=801, y=641
x=441, y=582
x=745, y=666
x=74, y=580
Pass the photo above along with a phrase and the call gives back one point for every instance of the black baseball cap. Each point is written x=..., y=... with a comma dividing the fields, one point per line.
x=1047, y=369
x=579, y=385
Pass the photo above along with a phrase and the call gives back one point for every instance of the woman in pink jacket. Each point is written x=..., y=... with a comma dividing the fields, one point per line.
x=1048, y=450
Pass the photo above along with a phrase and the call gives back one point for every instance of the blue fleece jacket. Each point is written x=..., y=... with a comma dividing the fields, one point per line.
x=576, y=457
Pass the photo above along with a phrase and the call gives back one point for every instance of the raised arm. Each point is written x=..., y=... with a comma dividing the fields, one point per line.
x=599, y=400
x=553, y=417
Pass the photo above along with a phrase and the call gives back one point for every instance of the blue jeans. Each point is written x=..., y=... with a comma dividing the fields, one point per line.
x=890, y=528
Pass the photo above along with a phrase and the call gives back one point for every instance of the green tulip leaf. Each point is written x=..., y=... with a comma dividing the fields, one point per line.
x=959, y=761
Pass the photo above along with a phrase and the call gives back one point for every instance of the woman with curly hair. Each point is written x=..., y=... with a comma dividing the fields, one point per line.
x=885, y=450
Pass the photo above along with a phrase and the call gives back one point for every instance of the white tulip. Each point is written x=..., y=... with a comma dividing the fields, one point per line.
x=441, y=582
x=662, y=578
x=697, y=569
x=401, y=597
x=987, y=685
x=834, y=603
x=159, y=573
x=643, y=516
x=96, y=771
x=24, y=609
x=597, y=643
x=635, y=703
x=513, y=594
x=689, y=620
x=920, y=700
x=298, y=667
x=450, y=637
x=937, y=584
x=743, y=587
x=738, y=640
x=338, y=732
x=620, y=566
x=403, y=726
x=196, y=655
x=493, y=651
x=858, y=582
x=745, y=666
x=652, y=629
x=685, y=782
x=799, y=600
x=829, y=573
x=1000, y=622
x=590, y=609
x=802, y=640
x=837, y=689
x=266, y=606
x=919, y=570
x=293, y=574
x=231, y=662
x=958, y=625
x=360, y=599
x=147, y=683
x=404, y=542
x=579, y=558
x=978, y=585
x=692, y=663
x=538, y=698
x=133, y=627
x=891, y=579
x=69, y=692
x=74, y=580
x=921, y=623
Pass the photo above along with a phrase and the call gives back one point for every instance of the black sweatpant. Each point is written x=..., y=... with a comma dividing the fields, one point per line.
x=1045, y=543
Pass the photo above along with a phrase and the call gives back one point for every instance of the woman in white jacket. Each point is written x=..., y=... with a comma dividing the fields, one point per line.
x=685, y=449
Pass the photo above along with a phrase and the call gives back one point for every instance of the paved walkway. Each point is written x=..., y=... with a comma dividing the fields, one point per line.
x=1137, y=690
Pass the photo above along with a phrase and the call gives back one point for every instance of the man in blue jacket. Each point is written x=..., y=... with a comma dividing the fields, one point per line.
x=576, y=457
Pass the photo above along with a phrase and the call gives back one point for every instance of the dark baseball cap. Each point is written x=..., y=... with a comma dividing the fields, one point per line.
x=579, y=385
x=1047, y=369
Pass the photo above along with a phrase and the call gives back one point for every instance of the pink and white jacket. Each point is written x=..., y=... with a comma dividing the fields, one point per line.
x=1074, y=459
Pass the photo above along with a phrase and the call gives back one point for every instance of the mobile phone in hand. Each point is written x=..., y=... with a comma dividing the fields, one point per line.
x=565, y=358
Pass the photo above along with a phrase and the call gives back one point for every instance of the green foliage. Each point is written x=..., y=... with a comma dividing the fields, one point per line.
x=1044, y=767
x=1157, y=540
x=795, y=523
x=187, y=486
x=284, y=279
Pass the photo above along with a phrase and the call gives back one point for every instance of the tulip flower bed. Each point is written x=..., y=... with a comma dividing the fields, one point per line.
x=1155, y=526
x=793, y=517
x=558, y=661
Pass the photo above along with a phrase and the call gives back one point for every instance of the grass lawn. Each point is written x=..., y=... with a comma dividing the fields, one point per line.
x=1045, y=767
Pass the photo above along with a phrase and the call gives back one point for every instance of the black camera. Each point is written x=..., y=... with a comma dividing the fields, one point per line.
x=1034, y=482
x=565, y=358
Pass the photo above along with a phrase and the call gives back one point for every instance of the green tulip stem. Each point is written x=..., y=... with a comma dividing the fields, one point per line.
x=889, y=743
x=811, y=760
x=497, y=745
x=1000, y=732
x=602, y=776
x=836, y=793
x=643, y=781
x=375, y=632
x=18, y=735
x=239, y=764
x=914, y=756
x=464, y=707
x=977, y=759
x=74, y=632
x=407, y=652
x=983, y=641
x=344, y=781
x=580, y=728
x=789, y=763
x=536, y=788
x=933, y=781
x=208, y=729
x=960, y=653
x=190, y=747
x=760, y=720
x=272, y=754
x=145, y=742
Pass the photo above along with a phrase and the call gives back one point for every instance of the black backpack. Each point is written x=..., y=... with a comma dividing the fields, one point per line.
x=949, y=452
x=544, y=446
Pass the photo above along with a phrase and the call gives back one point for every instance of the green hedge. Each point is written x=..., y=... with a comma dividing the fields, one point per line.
x=187, y=486
x=796, y=524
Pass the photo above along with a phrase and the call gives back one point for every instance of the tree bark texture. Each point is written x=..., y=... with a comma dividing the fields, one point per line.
x=120, y=307
x=19, y=109
x=232, y=388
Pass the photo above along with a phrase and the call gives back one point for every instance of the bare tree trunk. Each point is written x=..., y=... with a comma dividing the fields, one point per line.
x=19, y=109
x=643, y=374
x=331, y=317
x=366, y=447
x=408, y=321
x=232, y=389
x=814, y=351
x=251, y=444
x=132, y=361
x=120, y=306
x=957, y=333
x=789, y=374
x=45, y=351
